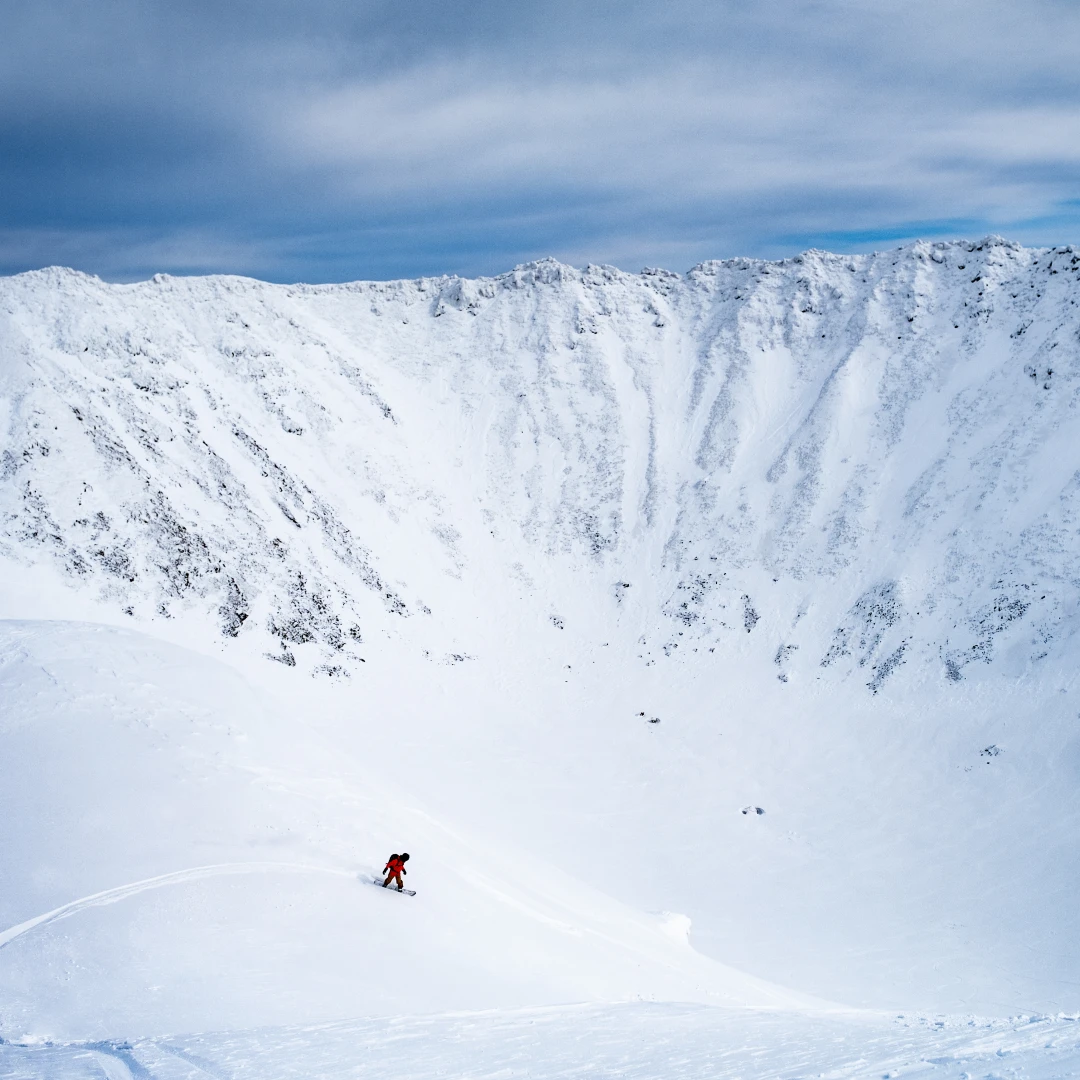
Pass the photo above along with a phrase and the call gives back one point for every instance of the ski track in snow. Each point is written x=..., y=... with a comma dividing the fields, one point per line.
x=177, y=877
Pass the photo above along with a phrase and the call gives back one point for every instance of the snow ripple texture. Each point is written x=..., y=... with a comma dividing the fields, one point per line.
x=627, y=1041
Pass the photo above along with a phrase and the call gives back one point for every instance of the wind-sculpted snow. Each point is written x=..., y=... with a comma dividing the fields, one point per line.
x=632, y=1041
x=872, y=455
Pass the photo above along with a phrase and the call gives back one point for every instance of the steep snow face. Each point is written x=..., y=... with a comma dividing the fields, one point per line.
x=889, y=437
x=598, y=565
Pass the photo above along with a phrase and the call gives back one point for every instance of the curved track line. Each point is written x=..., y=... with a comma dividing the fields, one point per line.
x=177, y=877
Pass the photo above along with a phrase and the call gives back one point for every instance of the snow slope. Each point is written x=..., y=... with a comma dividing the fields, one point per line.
x=192, y=862
x=639, y=1041
x=889, y=436
x=417, y=563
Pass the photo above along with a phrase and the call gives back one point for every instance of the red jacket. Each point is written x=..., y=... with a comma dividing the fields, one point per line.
x=395, y=866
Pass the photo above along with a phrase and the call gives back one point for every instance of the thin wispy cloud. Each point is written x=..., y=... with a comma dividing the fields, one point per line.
x=333, y=140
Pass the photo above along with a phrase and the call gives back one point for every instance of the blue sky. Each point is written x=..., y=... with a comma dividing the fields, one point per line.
x=325, y=140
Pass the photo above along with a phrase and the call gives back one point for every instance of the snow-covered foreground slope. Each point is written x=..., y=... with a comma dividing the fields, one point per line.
x=547, y=578
x=188, y=861
x=635, y=1041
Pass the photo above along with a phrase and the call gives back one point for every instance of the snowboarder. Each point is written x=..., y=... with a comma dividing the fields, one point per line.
x=394, y=868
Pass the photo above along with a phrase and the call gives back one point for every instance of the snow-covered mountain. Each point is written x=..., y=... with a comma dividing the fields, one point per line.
x=863, y=461
x=748, y=594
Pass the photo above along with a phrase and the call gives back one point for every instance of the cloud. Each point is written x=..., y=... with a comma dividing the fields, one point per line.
x=336, y=139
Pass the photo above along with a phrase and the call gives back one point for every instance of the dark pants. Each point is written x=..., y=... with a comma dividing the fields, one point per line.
x=393, y=877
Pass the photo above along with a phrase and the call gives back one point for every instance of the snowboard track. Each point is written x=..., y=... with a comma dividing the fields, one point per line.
x=176, y=877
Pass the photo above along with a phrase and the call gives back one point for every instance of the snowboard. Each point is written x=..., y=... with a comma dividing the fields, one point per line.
x=393, y=888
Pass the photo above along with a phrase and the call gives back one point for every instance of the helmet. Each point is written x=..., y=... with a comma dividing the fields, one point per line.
x=404, y=856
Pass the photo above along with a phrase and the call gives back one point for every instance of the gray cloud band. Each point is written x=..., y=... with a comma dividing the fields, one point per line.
x=344, y=140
